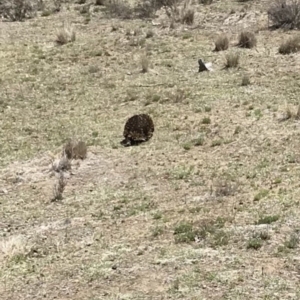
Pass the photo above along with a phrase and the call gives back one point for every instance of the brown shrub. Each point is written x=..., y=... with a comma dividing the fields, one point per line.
x=221, y=43
x=292, y=45
x=247, y=40
x=285, y=14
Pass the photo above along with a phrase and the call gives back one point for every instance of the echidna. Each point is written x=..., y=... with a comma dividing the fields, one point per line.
x=138, y=129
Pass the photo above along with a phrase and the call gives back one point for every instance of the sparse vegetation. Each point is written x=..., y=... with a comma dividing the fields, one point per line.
x=224, y=188
x=247, y=40
x=293, y=241
x=198, y=141
x=187, y=146
x=256, y=241
x=184, y=233
x=206, y=120
x=261, y=194
x=221, y=43
x=292, y=45
x=178, y=216
x=267, y=219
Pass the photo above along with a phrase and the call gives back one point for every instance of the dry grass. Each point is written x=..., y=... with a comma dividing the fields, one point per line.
x=13, y=247
x=292, y=45
x=232, y=60
x=247, y=40
x=221, y=43
x=207, y=209
x=65, y=35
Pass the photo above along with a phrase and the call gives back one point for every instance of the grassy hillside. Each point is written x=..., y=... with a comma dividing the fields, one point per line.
x=207, y=209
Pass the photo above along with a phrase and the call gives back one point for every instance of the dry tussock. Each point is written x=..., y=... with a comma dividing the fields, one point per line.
x=221, y=43
x=65, y=35
x=292, y=45
x=74, y=149
x=290, y=114
x=14, y=245
x=247, y=40
x=232, y=60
